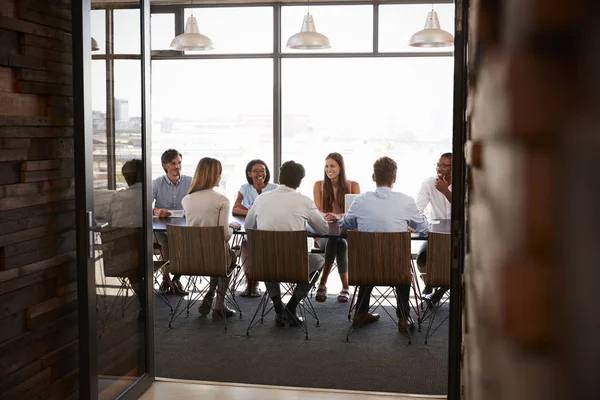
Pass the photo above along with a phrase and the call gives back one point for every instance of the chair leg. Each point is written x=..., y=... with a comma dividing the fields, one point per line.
x=433, y=311
x=417, y=293
x=351, y=306
x=191, y=300
x=261, y=307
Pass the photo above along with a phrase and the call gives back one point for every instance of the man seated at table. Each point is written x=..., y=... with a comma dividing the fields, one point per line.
x=384, y=211
x=125, y=212
x=435, y=201
x=284, y=209
x=167, y=192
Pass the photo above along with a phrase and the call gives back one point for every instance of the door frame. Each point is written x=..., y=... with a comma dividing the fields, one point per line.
x=84, y=202
x=459, y=187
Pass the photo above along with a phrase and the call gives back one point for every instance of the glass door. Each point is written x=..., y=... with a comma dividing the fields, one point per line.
x=111, y=65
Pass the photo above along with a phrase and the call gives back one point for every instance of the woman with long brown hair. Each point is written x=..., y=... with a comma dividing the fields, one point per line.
x=329, y=197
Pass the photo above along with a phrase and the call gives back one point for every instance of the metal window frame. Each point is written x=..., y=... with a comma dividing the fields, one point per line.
x=179, y=11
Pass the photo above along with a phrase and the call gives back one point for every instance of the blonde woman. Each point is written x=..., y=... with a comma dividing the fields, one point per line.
x=205, y=207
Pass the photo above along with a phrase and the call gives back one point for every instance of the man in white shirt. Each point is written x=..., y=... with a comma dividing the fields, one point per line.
x=435, y=200
x=384, y=211
x=284, y=209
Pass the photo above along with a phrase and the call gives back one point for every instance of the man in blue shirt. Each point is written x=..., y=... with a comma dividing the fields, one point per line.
x=384, y=211
x=167, y=192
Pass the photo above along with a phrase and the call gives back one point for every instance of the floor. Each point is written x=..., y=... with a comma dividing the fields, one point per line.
x=182, y=389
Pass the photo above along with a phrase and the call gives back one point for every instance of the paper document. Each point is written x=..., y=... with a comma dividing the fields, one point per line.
x=176, y=213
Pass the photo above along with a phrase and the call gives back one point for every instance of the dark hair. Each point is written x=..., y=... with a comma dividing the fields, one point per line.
x=132, y=171
x=291, y=174
x=249, y=168
x=328, y=197
x=385, y=171
x=446, y=155
x=167, y=156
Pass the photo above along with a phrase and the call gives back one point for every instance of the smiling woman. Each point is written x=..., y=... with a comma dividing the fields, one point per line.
x=258, y=176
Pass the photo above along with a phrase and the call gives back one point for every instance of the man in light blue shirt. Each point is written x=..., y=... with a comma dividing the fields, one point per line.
x=384, y=211
x=167, y=192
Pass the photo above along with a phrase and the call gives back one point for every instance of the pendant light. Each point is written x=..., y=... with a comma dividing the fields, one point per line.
x=191, y=39
x=432, y=35
x=95, y=46
x=308, y=38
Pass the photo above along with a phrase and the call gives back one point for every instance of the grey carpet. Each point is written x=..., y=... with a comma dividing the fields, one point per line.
x=377, y=358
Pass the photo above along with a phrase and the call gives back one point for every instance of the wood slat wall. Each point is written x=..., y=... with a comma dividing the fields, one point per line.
x=531, y=328
x=38, y=297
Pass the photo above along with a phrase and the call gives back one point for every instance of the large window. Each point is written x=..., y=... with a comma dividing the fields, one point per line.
x=369, y=95
x=213, y=108
x=366, y=108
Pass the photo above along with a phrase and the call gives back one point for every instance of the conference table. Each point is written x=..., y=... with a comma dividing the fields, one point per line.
x=160, y=225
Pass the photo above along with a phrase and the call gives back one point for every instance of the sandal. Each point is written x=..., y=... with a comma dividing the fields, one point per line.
x=321, y=294
x=343, y=296
x=255, y=292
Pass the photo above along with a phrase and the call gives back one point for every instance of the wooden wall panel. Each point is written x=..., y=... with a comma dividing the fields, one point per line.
x=530, y=330
x=38, y=273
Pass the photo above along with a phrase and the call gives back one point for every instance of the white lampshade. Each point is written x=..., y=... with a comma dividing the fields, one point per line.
x=432, y=35
x=95, y=46
x=191, y=39
x=308, y=38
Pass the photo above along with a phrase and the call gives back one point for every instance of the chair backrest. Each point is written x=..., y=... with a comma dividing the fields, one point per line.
x=120, y=251
x=379, y=258
x=278, y=256
x=197, y=251
x=438, y=260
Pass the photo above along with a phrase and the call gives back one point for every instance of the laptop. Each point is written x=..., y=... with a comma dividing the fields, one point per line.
x=348, y=199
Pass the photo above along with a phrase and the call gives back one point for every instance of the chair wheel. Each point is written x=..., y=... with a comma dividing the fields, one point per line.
x=347, y=340
x=247, y=334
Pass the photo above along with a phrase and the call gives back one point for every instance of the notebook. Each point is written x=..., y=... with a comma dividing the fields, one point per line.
x=348, y=199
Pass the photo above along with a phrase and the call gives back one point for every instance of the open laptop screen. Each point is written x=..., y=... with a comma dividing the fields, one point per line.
x=348, y=199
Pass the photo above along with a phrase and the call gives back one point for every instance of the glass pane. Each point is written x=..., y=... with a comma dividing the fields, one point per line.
x=127, y=31
x=99, y=124
x=401, y=108
x=98, y=30
x=127, y=115
x=162, y=30
x=398, y=22
x=235, y=30
x=118, y=201
x=349, y=28
x=213, y=108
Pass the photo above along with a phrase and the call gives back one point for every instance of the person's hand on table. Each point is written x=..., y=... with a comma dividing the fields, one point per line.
x=161, y=212
x=331, y=217
x=411, y=230
x=240, y=207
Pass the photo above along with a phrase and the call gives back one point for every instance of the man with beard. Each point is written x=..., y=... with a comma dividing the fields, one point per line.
x=167, y=192
x=435, y=200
